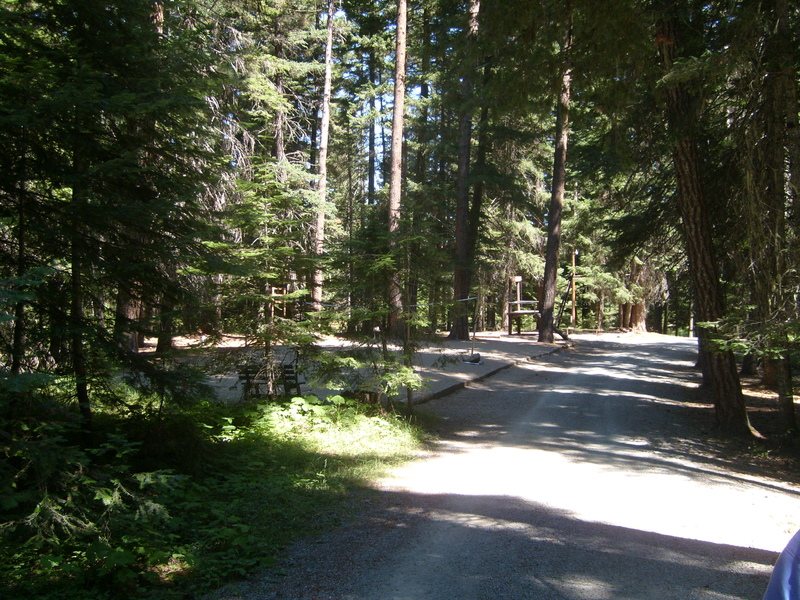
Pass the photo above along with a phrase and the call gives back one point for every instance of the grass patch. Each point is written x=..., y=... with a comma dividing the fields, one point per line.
x=190, y=502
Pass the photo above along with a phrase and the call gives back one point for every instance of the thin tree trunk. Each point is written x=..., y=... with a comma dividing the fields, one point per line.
x=772, y=244
x=396, y=327
x=423, y=130
x=748, y=365
x=18, y=340
x=77, y=341
x=125, y=316
x=280, y=131
x=165, y=327
x=476, y=208
x=462, y=271
x=547, y=326
x=322, y=184
x=76, y=319
x=788, y=71
x=18, y=335
x=786, y=397
x=372, y=158
x=166, y=317
x=601, y=312
x=421, y=168
x=624, y=316
x=77, y=316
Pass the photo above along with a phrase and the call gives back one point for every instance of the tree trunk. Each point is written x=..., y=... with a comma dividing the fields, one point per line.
x=77, y=349
x=18, y=339
x=77, y=317
x=724, y=378
x=476, y=208
x=624, y=316
x=463, y=268
x=547, y=326
x=322, y=183
x=166, y=320
x=600, y=312
x=658, y=317
x=372, y=162
x=682, y=115
x=423, y=153
x=638, y=316
x=280, y=130
x=786, y=395
x=769, y=272
x=18, y=336
x=396, y=327
x=787, y=72
x=125, y=316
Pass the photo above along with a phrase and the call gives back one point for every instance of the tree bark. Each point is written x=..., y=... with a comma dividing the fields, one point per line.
x=280, y=131
x=396, y=327
x=682, y=114
x=126, y=313
x=372, y=159
x=638, y=316
x=476, y=208
x=770, y=245
x=18, y=339
x=77, y=316
x=18, y=342
x=317, y=279
x=600, y=312
x=463, y=268
x=166, y=318
x=624, y=316
x=547, y=326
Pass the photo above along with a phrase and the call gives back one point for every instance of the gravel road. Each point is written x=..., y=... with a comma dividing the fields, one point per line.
x=584, y=475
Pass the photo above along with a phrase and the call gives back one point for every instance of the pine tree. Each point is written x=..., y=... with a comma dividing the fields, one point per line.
x=114, y=144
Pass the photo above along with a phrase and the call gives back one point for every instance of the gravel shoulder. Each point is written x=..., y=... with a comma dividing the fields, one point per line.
x=587, y=474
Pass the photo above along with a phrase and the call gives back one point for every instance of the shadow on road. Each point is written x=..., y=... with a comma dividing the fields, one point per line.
x=551, y=482
x=480, y=547
x=637, y=407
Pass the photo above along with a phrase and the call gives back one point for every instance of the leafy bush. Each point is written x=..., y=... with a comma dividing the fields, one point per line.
x=87, y=520
x=76, y=515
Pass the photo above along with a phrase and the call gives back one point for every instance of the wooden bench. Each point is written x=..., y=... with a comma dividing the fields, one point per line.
x=290, y=379
x=517, y=309
x=253, y=377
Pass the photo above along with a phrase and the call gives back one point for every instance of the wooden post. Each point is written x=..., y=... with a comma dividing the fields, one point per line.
x=517, y=281
x=573, y=316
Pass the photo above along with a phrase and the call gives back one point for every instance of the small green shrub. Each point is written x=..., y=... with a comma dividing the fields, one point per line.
x=138, y=513
x=77, y=515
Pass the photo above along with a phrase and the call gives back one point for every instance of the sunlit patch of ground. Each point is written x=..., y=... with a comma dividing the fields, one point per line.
x=198, y=341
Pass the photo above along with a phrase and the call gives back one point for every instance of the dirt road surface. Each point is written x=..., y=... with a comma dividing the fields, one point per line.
x=585, y=475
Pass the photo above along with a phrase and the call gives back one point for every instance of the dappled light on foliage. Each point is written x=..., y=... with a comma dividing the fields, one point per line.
x=224, y=242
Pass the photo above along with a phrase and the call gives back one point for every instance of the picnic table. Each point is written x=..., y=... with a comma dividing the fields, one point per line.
x=518, y=309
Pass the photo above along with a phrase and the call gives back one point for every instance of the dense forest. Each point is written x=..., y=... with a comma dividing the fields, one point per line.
x=280, y=169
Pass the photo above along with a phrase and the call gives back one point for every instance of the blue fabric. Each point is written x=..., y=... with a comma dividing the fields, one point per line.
x=785, y=581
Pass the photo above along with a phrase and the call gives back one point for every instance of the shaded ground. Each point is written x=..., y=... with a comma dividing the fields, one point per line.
x=588, y=474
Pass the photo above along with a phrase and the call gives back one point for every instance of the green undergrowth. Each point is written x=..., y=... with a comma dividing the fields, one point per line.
x=159, y=509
